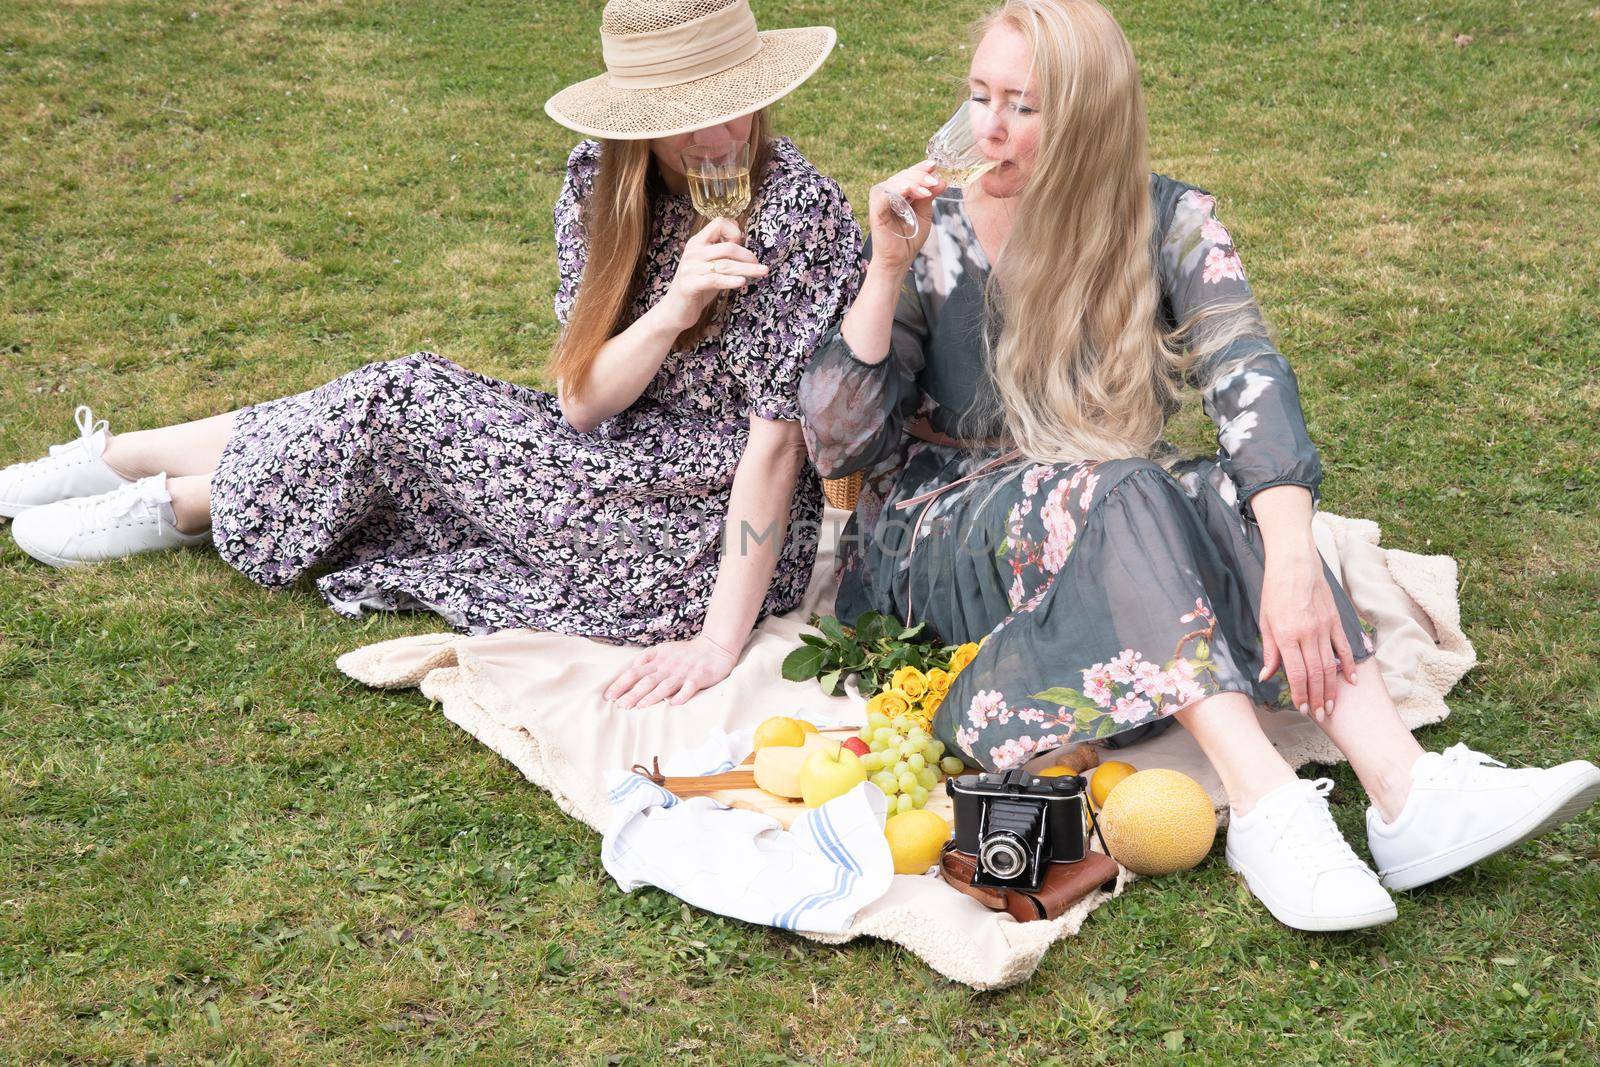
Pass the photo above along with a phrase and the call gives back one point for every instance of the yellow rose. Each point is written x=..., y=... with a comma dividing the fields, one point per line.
x=938, y=684
x=962, y=656
x=911, y=682
x=931, y=705
x=890, y=702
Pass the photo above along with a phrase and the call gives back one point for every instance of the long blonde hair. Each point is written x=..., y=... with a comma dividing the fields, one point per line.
x=617, y=223
x=1082, y=369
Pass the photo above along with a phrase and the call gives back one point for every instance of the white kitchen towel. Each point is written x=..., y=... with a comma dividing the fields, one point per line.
x=813, y=877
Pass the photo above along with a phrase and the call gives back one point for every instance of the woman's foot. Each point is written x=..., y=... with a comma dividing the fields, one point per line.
x=1464, y=806
x=75, y=469
x=73, y=533
x=1297, y=863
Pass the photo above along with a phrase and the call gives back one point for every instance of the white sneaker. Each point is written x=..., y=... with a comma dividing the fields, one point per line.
x=1465, y=806
x=1297, y=863
x=71, y=470
x=71, y=533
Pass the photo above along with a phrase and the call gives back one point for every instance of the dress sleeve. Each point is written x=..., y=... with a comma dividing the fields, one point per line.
x=812, y=279
x=572, y=243
x=1248, y=388
x=853, y=412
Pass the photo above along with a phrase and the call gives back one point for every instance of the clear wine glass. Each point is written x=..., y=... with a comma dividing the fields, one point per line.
x=719, y=178
x=955, y=156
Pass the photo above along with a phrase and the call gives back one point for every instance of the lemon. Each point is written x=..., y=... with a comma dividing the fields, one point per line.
x=1106, y=777
x=780, y=730
x=806, y=727
x=1057, y=771
x=1158, y=822
x=915, y=840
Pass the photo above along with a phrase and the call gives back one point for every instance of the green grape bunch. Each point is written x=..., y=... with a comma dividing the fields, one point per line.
x=905, y=761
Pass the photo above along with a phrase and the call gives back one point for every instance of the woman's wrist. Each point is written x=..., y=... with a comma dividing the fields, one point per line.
x=732, y=646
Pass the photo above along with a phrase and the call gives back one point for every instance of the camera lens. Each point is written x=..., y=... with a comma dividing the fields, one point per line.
x=1003, y=855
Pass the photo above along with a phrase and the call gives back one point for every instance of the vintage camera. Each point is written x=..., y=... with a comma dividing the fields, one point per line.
x=1016, y=824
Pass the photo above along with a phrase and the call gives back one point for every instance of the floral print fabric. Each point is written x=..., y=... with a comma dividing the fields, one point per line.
x=419, y=484
x=1105, y=594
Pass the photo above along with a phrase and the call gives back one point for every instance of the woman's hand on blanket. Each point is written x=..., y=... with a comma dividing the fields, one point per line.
x=674, y=672
x=1301, y=632
x=713, y=260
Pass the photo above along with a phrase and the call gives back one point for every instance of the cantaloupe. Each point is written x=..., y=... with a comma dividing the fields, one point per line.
x=1158, y=822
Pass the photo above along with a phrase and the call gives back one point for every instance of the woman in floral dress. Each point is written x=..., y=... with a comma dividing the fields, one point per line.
x=1002, y=380
x=597, y=511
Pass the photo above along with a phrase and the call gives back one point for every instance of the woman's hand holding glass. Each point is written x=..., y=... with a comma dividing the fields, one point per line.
x=713, y=260
x=894, y=245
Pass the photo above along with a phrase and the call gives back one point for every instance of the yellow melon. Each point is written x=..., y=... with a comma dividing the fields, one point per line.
x=1158, y=822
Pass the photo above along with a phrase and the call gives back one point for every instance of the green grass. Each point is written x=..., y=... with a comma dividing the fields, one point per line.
x=213, y=846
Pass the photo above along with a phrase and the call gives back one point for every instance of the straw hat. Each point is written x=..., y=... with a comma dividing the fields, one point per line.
x=673, y=66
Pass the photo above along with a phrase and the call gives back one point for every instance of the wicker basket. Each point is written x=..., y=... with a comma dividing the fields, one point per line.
x=842, y=492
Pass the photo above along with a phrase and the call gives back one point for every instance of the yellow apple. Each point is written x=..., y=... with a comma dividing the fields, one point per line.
x=828, y=773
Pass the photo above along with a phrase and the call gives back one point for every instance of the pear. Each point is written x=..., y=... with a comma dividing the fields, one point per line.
x=778, y=769
x=778, y=766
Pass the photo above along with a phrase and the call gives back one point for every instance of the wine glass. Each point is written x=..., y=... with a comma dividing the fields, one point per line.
x=719, y=178
x=955, y=156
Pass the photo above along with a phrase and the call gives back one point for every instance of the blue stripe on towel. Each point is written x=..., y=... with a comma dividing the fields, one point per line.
x=827, y=838
x=843, y=883
x=634, y=781
x=820, y=824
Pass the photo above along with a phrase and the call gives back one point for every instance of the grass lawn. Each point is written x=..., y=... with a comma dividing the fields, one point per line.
x=214, y=846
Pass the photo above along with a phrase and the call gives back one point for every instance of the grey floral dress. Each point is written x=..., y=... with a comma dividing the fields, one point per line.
x=1106, y=594
x=418, y=484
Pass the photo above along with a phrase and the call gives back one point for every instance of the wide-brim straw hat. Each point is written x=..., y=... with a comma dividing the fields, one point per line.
x=673, y=66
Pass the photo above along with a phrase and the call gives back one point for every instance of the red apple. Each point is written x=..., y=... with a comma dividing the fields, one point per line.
x=856, y=745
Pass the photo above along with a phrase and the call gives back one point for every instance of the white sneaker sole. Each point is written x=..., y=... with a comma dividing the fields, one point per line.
x=45, y=557
x=11, y=511
x=1576, y=795
x=1300, y=920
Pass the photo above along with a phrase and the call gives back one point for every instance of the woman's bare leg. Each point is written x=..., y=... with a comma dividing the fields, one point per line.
x=1364, y=725
x=1226, y=728
x=189, y=448
x=191, y=502
x=1368, y=730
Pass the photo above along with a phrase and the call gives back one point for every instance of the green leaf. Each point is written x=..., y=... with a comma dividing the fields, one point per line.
x=832, y=630
x=1106, y=727
x=804, y=662
x=912, y=631
x=1068, y=698
x=814, y=640
x=830, y=683
x=1173, y=1040
x=869, y=628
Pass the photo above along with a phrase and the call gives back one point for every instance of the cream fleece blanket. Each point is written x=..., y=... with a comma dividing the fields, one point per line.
x=534, y=698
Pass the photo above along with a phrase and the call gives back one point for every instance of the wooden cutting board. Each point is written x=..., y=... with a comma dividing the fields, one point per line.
x=737, y=789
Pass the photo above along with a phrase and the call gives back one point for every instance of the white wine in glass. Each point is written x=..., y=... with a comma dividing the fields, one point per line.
x=958, y=174
x=956, y=156
x=719, y=178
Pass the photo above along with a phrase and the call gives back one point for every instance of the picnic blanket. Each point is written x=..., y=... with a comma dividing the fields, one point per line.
x=534, y=698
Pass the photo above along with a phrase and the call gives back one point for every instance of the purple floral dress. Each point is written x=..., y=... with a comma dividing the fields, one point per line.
x=418, y=484
x=1106, y=594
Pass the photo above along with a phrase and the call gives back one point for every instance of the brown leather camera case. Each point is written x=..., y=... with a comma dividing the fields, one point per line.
x=1064, y=884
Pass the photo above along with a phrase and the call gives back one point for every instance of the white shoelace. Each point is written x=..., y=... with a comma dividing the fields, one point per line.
x=1314, y=837
x=88, y=426
x=1464, y=763
x=134, y=500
